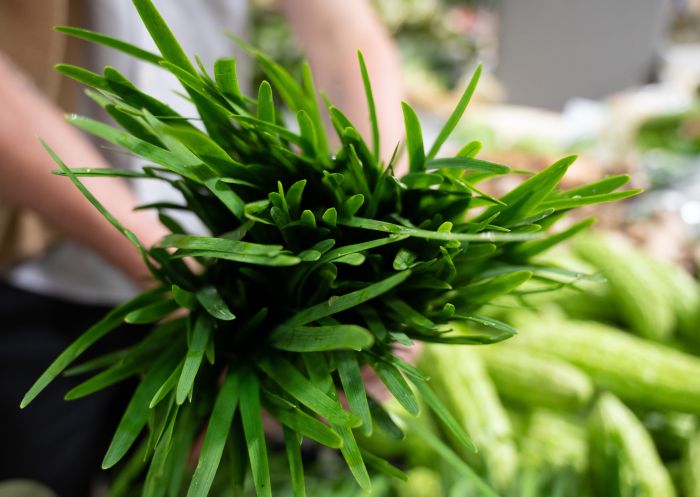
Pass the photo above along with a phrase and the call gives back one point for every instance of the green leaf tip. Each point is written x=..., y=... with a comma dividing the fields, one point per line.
x=456, y=115
x=162, y=36
x=414, y=139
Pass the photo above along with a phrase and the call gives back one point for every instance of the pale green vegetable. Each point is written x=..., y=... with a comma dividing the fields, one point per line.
x=460, y=379
x=683, y=294
x=691, y=468
x=555, y=440
x=623, y=457
x=641, y=372
x=421, y=482
x=535, y=379
x=634, y=285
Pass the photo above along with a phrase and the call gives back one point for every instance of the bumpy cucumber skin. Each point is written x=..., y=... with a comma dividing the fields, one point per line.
x=459, y=378
x=691, y=468
x=555, y=440
x=617, y=434
x=634, y=285
x=537, y=380
x=683, y=295
x=641, y=372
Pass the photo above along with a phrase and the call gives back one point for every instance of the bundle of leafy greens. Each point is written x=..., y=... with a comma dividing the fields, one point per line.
x=319, y=262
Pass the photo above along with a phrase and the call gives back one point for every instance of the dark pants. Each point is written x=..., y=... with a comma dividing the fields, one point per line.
x=55, y=442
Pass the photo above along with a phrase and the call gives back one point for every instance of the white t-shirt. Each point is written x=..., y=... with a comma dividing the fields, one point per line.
x=71, y=271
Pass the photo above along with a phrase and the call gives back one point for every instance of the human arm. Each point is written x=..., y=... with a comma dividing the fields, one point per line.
x=26, y=182
x=330, y=33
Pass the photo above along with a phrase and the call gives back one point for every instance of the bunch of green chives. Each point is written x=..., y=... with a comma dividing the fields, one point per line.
x=319, y=262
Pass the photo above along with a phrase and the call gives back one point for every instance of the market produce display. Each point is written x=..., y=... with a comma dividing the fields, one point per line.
x=581, y=402
x=319, y=262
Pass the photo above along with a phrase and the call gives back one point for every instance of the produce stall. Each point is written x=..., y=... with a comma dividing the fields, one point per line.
x=499, y=319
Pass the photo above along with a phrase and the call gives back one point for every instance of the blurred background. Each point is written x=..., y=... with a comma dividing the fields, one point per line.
x=614, y=82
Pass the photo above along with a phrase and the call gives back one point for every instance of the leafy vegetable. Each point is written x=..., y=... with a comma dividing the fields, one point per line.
x=315, y=265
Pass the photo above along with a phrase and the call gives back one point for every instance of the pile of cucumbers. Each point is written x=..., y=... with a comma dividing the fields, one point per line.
x=597, y=396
